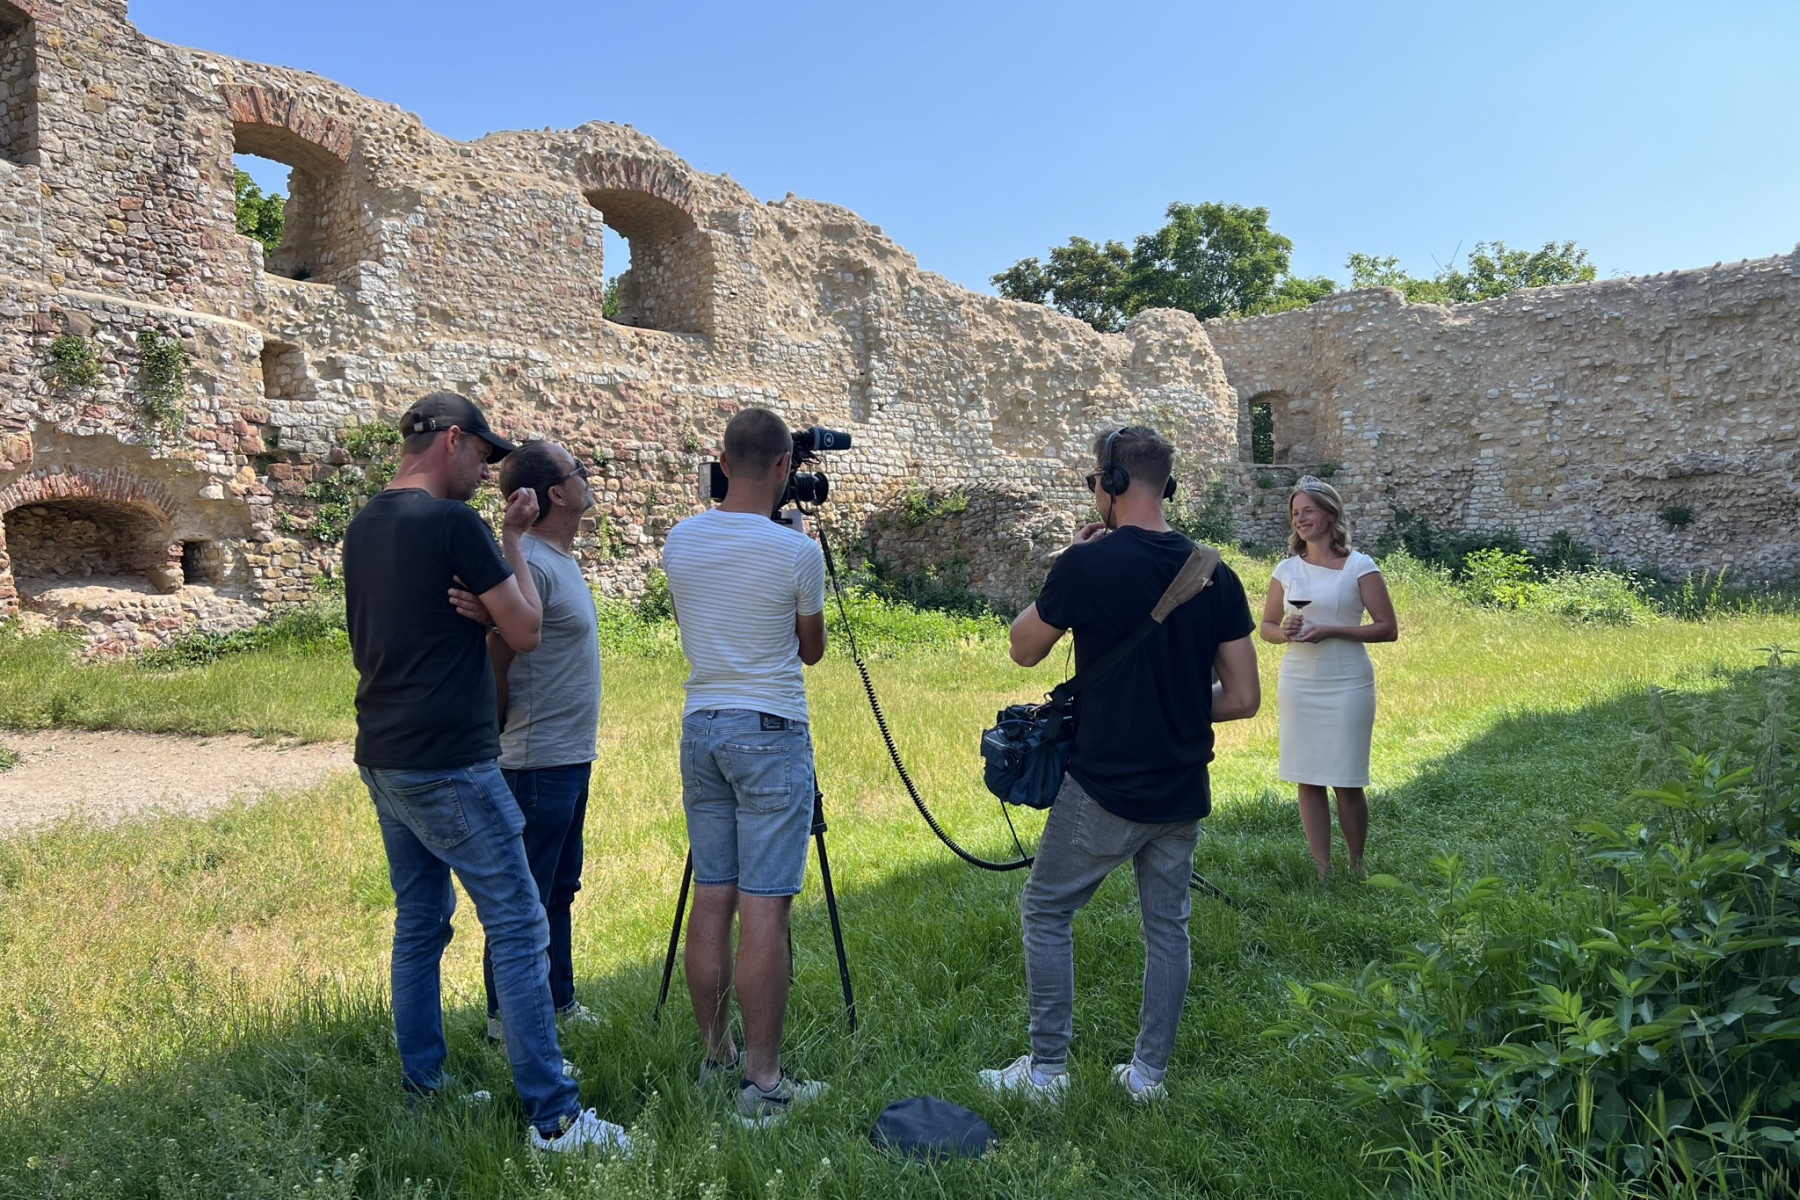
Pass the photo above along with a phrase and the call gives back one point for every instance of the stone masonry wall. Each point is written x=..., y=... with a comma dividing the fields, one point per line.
x=430, y=263
x=413, y=262
x=1654, y=418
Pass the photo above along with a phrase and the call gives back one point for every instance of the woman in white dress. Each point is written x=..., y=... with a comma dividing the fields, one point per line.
x=1325, y=695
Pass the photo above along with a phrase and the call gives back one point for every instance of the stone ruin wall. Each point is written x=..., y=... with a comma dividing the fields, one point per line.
x=1593, y=408
x=410, y=262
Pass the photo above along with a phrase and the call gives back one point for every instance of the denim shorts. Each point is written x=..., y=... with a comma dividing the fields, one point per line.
x=747, y=788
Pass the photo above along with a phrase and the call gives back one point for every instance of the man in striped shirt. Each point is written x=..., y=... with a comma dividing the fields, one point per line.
x=749, y=596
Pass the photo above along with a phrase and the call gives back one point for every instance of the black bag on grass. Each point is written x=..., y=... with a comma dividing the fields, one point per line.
x=925, y=1127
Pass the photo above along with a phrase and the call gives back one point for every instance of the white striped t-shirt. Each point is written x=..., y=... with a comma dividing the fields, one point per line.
x=738, y=581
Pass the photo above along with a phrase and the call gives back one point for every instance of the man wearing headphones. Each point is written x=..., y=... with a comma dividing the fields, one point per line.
x=1137, y=784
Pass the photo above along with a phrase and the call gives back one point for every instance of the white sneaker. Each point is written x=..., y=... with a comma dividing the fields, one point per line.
x=585, y=1132
x=576, y=1014
x=758, y=1109
x=1136, y=1086
x=1021, y=1078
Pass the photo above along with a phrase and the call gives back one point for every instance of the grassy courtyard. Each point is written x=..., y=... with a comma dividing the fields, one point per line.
x=196, y=1006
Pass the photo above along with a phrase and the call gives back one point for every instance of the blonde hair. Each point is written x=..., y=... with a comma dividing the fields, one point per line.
x=1327, y=498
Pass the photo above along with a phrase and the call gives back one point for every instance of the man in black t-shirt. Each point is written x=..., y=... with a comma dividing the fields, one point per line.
x=427, y=741
x=1136, y=785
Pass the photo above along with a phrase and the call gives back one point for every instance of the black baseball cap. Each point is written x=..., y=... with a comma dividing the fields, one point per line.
x=441, y=410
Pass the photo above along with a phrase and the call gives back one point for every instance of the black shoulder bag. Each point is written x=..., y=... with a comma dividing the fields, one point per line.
x=1028, y=747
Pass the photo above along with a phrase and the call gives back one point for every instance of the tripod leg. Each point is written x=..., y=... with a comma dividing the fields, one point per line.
x=687, y=877
x=837, y=928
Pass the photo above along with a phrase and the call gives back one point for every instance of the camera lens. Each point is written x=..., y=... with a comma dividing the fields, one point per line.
x=810, y=488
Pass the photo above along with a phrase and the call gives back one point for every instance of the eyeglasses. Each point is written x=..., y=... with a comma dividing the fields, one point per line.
x=1090, y=479
x=581, y=470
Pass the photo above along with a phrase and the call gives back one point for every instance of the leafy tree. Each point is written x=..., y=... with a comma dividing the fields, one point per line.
x=1493, y=270
x=1083, y=279
x=1295, y=291
x=1207, y=259
x=258, y=216
x=1212, y=260
x=609, y=298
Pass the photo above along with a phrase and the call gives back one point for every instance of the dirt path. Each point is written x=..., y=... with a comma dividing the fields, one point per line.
x=106, y=776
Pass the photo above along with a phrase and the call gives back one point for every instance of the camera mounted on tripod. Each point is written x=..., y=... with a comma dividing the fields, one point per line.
x=802, y=487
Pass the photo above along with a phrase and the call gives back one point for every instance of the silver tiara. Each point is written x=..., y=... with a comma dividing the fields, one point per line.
x=1309, y=483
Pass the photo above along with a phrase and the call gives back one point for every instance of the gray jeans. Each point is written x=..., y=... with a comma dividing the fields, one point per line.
x=1081, y=845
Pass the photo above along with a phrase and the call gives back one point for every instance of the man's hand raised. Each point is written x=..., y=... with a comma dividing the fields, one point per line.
x=521, y=513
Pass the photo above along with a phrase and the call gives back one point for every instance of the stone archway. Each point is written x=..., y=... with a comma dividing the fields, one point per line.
x=71, y=524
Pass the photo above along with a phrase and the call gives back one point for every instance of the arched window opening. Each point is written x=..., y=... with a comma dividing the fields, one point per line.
x=320, y=229
x=18, y=86
x=667, y=281
x=86, y=542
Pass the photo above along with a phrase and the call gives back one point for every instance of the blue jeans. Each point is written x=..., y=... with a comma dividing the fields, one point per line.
x=747, y=788
x=464, y=820
x=554, y=801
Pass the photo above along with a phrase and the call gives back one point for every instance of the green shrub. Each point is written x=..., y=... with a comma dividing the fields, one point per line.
x=375, y=449
x=162, y=379
x=1637, y=1013
x=1594, y=596
x=74, y=363
x=301, y=629
x=920, y=507
x=1499, y=578
x=941, y=587
x=1208, y=522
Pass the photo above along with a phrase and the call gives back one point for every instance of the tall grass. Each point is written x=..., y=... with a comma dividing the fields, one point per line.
x=195, y=1006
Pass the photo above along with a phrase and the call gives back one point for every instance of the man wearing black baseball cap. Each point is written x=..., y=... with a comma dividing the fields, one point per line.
x=427, y=741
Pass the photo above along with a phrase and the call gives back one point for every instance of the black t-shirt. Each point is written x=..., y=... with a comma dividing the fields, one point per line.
x=425, y=698
x=1143, y=733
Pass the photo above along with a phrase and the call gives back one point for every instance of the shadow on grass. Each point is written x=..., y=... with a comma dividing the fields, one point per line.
x=263, y=1103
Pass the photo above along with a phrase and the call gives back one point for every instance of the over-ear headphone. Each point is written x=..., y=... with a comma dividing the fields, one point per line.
x=1114, y=479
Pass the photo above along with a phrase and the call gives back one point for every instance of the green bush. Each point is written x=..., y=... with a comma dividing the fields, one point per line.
x=1594, y=596
x=301, y=629
x=920, y=507
x=1499, y=578
x=1208, y=522
x=74, y=363
x=1639, y=1012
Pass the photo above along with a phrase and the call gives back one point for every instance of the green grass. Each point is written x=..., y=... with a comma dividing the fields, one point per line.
x=195, y=1007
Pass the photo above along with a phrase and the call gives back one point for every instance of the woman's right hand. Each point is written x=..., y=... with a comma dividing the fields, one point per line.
x=1291, y=623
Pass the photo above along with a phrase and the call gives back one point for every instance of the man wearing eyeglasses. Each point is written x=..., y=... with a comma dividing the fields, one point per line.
x=549, y=706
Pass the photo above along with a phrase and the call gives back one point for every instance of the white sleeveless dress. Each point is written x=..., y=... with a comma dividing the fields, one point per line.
x=1325, y=694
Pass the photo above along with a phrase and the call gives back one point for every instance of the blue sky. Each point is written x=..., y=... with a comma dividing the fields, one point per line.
x=1657, y=135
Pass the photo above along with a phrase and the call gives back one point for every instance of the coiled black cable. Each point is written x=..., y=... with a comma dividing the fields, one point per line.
x=862, y=669
x=1196, y=880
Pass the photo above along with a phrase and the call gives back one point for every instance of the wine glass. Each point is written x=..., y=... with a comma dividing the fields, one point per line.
x=1298, y=595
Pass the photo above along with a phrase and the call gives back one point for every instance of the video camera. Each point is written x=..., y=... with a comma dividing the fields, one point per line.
x=802, y=487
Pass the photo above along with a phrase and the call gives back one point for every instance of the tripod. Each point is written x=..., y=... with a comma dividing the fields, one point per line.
x=837, y=929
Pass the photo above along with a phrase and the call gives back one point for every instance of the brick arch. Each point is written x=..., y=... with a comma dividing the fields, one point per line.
x=603, y=171
x=115, y=484
x=112, y=487
x=277, y=124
